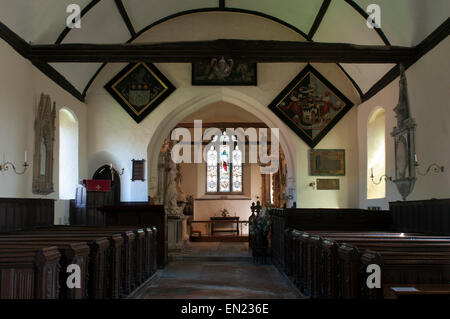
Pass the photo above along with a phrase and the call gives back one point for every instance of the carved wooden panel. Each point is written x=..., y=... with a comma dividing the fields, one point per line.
x=44, y=140
x=17, y=214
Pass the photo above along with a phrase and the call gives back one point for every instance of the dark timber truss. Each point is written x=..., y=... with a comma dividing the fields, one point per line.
x=254, y=51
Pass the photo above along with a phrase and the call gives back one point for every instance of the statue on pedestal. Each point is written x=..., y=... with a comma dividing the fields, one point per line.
x=181, y=194
x=164, y=157
x=171, y=199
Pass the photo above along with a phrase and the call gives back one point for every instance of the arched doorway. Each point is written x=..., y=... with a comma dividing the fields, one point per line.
x=242, y=107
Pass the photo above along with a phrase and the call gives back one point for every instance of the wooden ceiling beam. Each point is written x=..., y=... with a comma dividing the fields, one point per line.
x=245, y=50
x=319, y=18
x=125, y=17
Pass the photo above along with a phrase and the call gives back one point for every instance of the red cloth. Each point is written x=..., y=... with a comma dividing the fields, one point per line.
x=98, y=185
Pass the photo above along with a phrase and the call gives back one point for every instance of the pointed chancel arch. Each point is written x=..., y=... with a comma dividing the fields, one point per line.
x=230, y=96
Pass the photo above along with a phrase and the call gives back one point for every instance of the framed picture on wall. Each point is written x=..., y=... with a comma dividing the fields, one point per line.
x=138, y=172
x=224, y=72
x=327, y=162
x=310, y=105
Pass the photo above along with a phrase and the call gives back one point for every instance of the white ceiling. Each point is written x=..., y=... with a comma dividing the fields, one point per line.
x=404, y=22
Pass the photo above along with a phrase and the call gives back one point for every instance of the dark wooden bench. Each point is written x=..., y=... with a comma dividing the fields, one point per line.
x=113, y=260
x=98, y=261
x=307, y=219
x=143, y=253
x=70, y=252
x=103, y=274
x=138, y=261
x=29, y=273
x=105, y=258
x=146, y=244
x=329, y=266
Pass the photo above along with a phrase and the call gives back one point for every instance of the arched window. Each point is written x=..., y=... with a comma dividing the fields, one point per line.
x=68, y=154
x=376, y=158
x=224, y=167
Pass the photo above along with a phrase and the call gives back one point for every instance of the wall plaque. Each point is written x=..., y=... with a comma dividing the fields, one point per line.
x=327, y=162
x=328, y=184
x=138, y=170
x=403, y=134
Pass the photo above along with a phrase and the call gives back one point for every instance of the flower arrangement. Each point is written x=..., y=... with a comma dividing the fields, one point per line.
x=261, y=223
x=225, y=213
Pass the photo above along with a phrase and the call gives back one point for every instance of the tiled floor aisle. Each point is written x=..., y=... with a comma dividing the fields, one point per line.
x=190, y=279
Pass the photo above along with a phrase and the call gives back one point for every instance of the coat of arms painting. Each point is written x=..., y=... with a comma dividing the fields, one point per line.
x=310, y=105
x=139, y=88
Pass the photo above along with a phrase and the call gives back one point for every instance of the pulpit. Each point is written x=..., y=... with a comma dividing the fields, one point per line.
x=90, y=196
x=95, y=205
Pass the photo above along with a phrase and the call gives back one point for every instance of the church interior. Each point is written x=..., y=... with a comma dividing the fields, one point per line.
x=292, y=149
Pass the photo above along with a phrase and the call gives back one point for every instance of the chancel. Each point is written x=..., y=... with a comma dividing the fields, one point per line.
x=293, y=149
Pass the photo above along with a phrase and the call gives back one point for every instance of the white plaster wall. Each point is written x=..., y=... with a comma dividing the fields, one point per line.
x=428, y=88
x=115, y=137
x=206, y=206
x=20, y=92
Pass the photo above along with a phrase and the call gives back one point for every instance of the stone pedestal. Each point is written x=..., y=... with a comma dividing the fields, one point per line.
x=186, y=231
x=176, y=231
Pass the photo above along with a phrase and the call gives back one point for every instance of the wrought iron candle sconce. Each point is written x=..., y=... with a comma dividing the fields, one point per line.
x=435, y=168
x=6, y=165
x=380, y=179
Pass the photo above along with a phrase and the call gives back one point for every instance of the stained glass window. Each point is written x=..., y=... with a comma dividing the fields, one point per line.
x=211, y=176
x=237, y=170
x=224, y=167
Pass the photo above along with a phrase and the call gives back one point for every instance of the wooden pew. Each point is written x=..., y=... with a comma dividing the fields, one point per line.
x=408, y=267
x=316, y=258
x=119, y=278
x=113, y=255
x=111, y=271
x=70, y=253
x=146, y=239
x=144, y=260
x=321, y=219
x=146, y=249
x=29, y=273
x=351, y=250
x=322, y=255
x=408, y=253
x=138, y=214
x=98, y=255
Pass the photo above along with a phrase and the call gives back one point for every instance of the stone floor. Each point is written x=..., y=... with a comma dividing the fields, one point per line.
x=213, y=251
x=218, y=271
